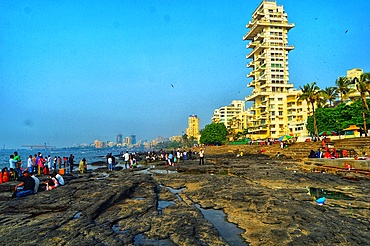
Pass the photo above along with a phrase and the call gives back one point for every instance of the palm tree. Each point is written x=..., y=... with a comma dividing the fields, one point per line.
x=312, y=94
x=330, y=94
x=343, y=88
x=363, y=87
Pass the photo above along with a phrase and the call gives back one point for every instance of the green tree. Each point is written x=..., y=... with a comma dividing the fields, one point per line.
x=330, y=94
x=338, y=118
x=363, y=87
x=312, y=94
x=214, y=133
x=343, y=88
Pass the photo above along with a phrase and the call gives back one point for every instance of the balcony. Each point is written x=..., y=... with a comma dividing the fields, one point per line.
x=257, y=48
x=252, y=96
x=252, y=84
x=255, y=28
x=252, y=44
x=262, y=78
x=251, y=74
x=289, y=47
x=259, y=36
x=262, y=67
x=251, y=64
x=260, y=57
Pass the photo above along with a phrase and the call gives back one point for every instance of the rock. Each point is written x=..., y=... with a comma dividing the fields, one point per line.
x=136, y=206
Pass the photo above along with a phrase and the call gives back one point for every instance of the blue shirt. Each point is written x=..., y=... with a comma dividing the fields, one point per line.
x=12, y=163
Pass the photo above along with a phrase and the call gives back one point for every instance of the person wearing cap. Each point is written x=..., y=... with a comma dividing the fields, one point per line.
x=26, y=187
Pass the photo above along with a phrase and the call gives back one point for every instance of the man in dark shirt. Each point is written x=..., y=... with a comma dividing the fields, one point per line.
x=27, y=184
x=71, y=162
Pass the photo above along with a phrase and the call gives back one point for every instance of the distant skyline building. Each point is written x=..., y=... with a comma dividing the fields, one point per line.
x=133, y=139
x=275, y=110
x=99, y=144
x=119, y=138
x=128, y=141
x=193, y=127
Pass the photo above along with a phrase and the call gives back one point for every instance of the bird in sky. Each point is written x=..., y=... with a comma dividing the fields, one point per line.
x=172, y=86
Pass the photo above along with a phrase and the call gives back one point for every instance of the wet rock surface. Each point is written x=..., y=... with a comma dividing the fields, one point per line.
x=267, y=198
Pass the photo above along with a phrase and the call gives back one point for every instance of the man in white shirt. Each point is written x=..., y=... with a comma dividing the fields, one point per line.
x=37, y=182
x=30, y=164
x=127, y=159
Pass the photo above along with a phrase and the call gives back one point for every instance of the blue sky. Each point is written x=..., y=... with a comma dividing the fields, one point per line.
x=75, y=71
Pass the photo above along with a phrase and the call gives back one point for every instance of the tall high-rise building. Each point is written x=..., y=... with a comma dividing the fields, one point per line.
x=119, y=138
x=275, y=110
x=133, y=139
x=128, y=141
x=193, y=127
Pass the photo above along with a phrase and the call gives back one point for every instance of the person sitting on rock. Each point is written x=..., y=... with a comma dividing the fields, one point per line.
x=5, y=175
x=59, y=178
x=319, y=154
x=52, y=183
x=26, y=187
x=37, y=183
x=13, y=175
x=312, y=154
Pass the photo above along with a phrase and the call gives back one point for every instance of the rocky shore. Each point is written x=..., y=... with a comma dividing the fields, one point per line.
x=271, y=200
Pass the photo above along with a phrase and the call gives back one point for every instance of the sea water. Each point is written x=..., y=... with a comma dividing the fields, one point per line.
x=91, y=155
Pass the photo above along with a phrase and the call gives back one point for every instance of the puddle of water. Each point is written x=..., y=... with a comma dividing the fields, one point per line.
x=142, y=240
x=228, y=231
x=176, y=192
x=139, y=198
x=336, y=195
x=117, y=229
x=77, y=215
x=164, y=204
x=160, y=171
x=102, y=176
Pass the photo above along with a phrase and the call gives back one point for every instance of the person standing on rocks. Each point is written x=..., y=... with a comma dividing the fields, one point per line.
x=70, y=162
x=110, y=162
x=201, y=157
x=126, y=157
x=82, y=165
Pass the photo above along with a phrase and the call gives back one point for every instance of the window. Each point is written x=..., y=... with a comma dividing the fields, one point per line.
x=280, y=113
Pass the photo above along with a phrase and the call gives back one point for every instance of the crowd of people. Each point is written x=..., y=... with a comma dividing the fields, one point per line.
x=171, y=158
x=333, y=154
x=30, y=184
x=38, y=165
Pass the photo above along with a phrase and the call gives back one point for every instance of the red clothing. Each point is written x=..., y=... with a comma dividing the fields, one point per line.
x=327, y=155
x=41, y=162
x=46, y=171
x=6, y=177
x=52, y=186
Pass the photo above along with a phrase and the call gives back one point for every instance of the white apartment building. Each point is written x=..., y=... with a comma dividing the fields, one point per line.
x=275, y=110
